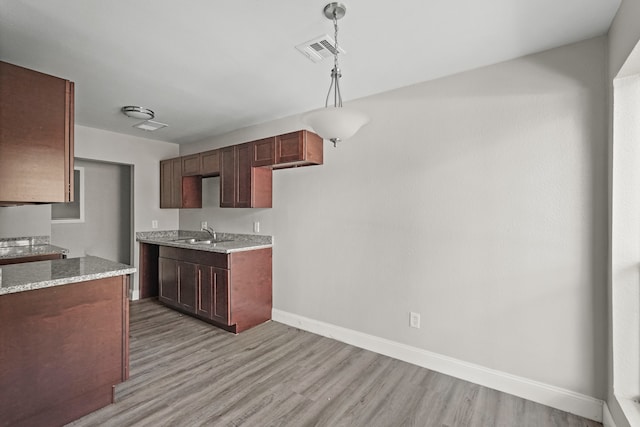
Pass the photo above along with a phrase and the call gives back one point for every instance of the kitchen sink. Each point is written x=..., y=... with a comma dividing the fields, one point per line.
x=194, y=241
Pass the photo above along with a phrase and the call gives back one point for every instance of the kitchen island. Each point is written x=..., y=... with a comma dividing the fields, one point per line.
x=64, y=338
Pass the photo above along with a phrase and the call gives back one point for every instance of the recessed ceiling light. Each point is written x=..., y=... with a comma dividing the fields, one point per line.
x=150, y=125
x=139, y=113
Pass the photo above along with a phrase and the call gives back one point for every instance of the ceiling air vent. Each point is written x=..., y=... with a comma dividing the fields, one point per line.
x=150, y=125
x=319, y=48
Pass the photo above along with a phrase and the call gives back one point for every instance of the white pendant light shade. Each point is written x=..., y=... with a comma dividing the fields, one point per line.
x=335, y=124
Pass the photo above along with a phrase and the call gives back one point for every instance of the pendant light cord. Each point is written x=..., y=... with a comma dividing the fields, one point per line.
x=335, y=73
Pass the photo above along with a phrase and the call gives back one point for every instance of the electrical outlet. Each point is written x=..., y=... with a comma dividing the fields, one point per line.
x=203, y=224
x=414, y=320
x=256, y=227
x=154, y=223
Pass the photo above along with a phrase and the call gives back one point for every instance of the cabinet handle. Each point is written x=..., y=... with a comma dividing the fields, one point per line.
x=178, y=296
x=198, y=290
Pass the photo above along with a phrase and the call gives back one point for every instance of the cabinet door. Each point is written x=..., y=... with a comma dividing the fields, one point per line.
x=187, y=285
x=243, y=175
x=241, y=185
x=191, y=165
x=36, y=136
x=166, y=183
x=168, y=284
x=176, y=183
x=264, y=152
x=210, y=163
x=213, y=294
x=300, y=148
x=227, y=177
x=290, y=147
x=171, y=183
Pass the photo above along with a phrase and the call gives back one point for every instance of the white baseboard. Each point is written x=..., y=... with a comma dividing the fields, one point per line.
x=607, y=418
x=135, y=295
x=556, y=397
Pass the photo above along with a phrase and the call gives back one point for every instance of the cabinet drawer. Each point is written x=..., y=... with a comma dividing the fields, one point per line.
x=213, y=259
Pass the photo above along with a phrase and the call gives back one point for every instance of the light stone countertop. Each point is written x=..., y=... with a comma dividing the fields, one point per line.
x=43, y=274
x=233, y=243
x=31, y=250
x=18, y=247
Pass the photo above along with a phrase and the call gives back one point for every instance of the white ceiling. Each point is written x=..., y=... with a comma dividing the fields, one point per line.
x=207, y=67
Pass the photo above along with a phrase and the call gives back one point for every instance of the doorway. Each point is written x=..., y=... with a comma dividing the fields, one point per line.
x=106, y=226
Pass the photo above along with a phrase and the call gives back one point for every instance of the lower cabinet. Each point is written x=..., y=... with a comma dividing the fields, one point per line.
x=213, y=294
x=232, y=291
x=178, y=283
x=63, y=349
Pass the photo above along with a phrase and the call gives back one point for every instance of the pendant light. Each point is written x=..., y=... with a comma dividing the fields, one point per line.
x=335, y=123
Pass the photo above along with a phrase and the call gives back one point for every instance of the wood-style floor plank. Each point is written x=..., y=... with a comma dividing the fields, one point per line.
x=184, y=372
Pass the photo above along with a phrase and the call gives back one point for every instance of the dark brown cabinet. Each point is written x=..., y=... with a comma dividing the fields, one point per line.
x=301, y=148
x=241, y=184
x=210, y=163
x=168, y=281
x=63, y=350
x=245, y=170
x=264, y=152
x=213, y=294
x=36, y=137
x=232, y=291
x=191, y=165
x=178, y=283
x=177, y=191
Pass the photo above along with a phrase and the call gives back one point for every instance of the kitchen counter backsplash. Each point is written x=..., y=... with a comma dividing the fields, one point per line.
x=179, y=234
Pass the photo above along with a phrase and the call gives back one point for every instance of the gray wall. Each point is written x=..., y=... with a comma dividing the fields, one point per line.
x=25, y=221
x=477, y=200
x=144, y=155
x=106, y=230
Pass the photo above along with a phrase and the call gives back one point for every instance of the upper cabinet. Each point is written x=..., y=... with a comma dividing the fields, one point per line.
x=210, y=163
x=245, y=170
x=177, y=191
x=241, y=185
x=36, y=137
x=191, y=165
x=301, y=148
x=264, y=152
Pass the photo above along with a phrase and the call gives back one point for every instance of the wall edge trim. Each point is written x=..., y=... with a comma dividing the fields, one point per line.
x=607, y=418
x=546, y=394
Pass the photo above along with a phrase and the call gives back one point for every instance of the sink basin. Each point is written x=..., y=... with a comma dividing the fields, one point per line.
x=194, y=241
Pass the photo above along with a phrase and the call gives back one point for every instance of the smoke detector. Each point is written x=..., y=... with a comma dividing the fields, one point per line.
x=319, y=48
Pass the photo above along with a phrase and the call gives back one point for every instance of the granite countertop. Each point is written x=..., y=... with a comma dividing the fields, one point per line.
x=18, y=247
x=227, y=242
x=43, y=274
x=31, y=250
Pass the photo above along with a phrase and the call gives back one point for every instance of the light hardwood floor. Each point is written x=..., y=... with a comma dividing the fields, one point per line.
x=187, y=373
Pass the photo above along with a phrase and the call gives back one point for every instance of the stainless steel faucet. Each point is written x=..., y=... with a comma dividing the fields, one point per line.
x=209, y=230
